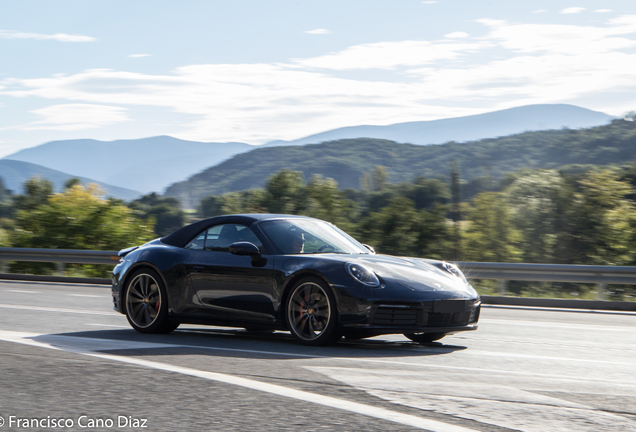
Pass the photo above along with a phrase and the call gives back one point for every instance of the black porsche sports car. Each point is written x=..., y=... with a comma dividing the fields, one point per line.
x=268, y=272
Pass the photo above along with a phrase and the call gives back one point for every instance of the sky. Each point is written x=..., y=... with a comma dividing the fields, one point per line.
x=255, y=71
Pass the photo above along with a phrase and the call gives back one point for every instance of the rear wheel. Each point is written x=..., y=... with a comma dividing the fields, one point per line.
x=146, y=303
x=424, y=337
x=312, y=316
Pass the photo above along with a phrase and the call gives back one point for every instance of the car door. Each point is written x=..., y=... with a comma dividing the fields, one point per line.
x=233, y=287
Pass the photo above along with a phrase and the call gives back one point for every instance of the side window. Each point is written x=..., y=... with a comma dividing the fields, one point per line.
x=197, y=243
x=219, y=238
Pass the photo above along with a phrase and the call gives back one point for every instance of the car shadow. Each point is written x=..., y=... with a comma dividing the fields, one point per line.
x=237, y=343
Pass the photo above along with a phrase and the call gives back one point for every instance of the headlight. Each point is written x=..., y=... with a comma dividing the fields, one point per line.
x=362, y=274
x=453, y=269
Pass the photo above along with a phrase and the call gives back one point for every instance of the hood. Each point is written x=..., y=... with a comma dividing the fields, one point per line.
x=417, y=274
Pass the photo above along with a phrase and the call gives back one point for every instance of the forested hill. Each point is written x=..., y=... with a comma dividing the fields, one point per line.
x=347, y=160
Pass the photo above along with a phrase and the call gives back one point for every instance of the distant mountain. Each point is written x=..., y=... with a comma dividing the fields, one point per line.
x=347, y=160
x=471, y=128
x=15, y=173
x=146, y=165
x=152, y=164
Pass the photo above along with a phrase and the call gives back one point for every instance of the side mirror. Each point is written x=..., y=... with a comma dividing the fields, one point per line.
x=245, y=248
x=369, y=247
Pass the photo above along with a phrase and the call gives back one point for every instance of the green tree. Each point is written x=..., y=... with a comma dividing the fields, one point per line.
x=603, y=220
x=455, y=210
x=365, y=183
x=400, y=229
x=166, y=211
x=425, y=193
x=325, y=201
x=541, y=209
x=394, y=229
x=491, y=237
x=79, y=218
x=36, y=192
x=4, y=238
x=380, y=178
x=210, y=206
x=68, y=184
x=434, y=236
x=249, y=201
x=286, y=192
x=6, y=205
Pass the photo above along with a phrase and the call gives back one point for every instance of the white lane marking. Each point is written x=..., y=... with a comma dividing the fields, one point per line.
x=332, y=402
x=108, y=325
x=559, y=309
x=24, y=291
x=48, y=309
x=483, y=353
x=123, y=344
x=543, y=344
x=538, y=357
x=86, y=295
x=556, y=324
x=67, y=343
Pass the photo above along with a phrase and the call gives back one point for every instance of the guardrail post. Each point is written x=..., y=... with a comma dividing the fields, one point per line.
x=503, y=287
x=60, y=267
x=602, y=291
x=4, y=266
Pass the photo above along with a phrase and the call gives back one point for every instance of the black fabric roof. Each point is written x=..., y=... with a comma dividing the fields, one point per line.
x=182, y=236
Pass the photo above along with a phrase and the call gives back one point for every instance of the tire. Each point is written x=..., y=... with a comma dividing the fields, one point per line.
x=147, y=303
x=424, y=337
x=311, y=313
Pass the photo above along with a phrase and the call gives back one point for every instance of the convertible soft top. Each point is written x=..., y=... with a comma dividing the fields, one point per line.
x=182, y=236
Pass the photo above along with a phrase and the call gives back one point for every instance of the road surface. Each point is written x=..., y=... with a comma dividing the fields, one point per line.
x=65, y=356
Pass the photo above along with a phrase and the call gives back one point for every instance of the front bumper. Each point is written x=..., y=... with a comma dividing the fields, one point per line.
x=437, y=316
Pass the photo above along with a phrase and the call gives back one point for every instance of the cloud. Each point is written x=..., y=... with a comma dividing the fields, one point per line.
x=139, y=55
x=389, y=55
x=562, y=39
x=510, y=65
x=69, y=117
x=318, y=31
x=61, y=37
x=456, y=35
x=603, y=10
x=572, y=10
x=540, y=11
x=430, y=2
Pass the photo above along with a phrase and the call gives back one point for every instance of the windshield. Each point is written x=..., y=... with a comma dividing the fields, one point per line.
x=303, y=236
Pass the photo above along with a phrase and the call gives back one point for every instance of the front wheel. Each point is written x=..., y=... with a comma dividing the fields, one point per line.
x=312, y=316
x=146, y=303
x=424, y=337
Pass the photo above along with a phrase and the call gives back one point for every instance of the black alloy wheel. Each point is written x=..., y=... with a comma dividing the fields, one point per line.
x=146, y=303
x=311, y=313
x=424, y=337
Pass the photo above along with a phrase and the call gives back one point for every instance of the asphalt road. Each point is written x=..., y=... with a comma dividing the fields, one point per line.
x=65, y=355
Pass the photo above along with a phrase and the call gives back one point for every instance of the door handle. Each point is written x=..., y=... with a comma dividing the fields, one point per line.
x=197, y=268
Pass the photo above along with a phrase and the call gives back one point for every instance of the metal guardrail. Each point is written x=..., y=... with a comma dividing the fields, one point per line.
x=550, y=272
x=58, y=256
x=504, y=272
